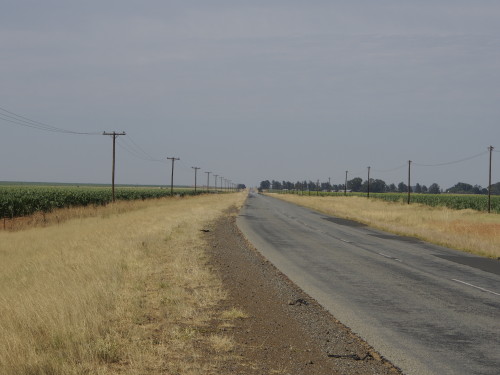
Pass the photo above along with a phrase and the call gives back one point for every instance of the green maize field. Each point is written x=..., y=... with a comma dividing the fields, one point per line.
x=25, y=200
x=453, y=201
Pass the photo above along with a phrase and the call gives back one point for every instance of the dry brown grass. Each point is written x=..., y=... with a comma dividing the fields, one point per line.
x=61, y=215
x=466, y=230
x=124, y=291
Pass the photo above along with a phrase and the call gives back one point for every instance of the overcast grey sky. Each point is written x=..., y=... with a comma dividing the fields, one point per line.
x=251, y=90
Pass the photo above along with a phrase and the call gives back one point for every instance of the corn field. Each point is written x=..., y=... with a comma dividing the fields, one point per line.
x=16, y=201
x=453, y=201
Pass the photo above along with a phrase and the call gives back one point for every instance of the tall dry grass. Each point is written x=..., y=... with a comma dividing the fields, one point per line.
x=467, y=230
x=123, y=292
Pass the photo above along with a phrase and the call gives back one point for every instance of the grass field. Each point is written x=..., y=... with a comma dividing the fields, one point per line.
x=125, y=290
x=468, y=230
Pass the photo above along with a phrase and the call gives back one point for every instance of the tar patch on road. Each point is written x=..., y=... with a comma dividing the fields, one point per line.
x=348, y=223
x=397, y=238
x=484, y=264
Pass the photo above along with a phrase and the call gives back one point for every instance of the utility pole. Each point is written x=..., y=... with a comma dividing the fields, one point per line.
x=489, y=184
x=114, y=135
x=345, y=186
x=215, y=178
x=368, y=182
x=172, y=177
x=221, y=182
x=208, y=181
x=317, y=188
x=195, y=172
x=409, y=179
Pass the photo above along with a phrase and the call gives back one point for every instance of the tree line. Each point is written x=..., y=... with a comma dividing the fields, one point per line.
x=376, y=186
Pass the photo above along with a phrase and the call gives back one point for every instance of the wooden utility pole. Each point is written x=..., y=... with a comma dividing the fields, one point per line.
x=368, y=182
x=195, y=172
x=409, y=179
x=208, y=181
x=345, y=186
x=114, y=135
x=489, y=184
x=172, y=177
x=215, y=179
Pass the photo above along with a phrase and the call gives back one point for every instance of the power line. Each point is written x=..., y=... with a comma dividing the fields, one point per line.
x=390, y=170
x=17, y=119
x=451, y=162
x=141, y=149
x=135, y=150
x=131, y=151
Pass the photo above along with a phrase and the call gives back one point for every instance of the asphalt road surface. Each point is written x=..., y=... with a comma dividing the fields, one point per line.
x=428, y=309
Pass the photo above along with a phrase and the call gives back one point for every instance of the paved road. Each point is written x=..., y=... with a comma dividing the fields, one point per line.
x=428, y=309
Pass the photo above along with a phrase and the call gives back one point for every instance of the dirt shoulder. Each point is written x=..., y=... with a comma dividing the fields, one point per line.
x=286, y=331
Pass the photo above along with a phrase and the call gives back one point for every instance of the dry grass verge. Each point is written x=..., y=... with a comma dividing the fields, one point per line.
x=467, y=230
x=124, y=291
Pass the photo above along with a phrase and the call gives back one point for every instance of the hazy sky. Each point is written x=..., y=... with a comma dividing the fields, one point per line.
x=251, y=90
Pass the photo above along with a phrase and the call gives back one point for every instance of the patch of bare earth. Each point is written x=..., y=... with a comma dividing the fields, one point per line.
x=285, y=331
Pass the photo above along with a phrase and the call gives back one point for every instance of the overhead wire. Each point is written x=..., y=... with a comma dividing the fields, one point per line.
x=135, y=150
x=18, y=119
x=389, y=170
x=451, y=162
x=140, y=150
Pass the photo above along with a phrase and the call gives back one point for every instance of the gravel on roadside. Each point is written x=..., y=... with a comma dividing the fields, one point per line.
x=286, y=331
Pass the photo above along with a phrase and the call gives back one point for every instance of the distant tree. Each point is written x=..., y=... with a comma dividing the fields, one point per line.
x=434, y=189
x=392, y=188
x=241, y=186
x=424, y=189
x=376, y=186
x=265, y=185
x=402, y=187
x=479, y=190
x=461, y=188
x=276, y=185
x=418, y=188
x=495, y=189
x=355, y=184
x=325, y=186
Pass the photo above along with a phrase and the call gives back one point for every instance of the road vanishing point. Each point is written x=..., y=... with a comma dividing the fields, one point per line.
x=426, y=308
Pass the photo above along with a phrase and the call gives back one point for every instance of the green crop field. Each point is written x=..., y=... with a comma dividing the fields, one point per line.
x=23, y=200
x=453, y=201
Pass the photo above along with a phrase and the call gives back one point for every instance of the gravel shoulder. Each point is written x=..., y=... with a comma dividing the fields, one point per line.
x=286, y=331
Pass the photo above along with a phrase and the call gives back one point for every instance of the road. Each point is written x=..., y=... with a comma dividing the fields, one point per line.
x=428, y=309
